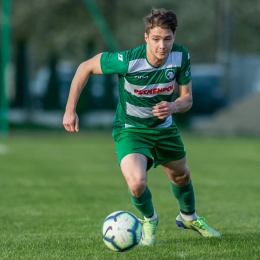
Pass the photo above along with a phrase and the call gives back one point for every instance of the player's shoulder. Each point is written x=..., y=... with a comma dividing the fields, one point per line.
x=135, y=53
x=126, y=55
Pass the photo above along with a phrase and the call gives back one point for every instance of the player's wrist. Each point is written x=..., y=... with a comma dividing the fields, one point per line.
x=174, y=107
x=70, y=109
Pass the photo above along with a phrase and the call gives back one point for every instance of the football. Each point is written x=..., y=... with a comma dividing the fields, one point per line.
x=121, y=231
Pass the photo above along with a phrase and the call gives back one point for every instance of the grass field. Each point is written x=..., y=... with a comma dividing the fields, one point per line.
x=56, y=189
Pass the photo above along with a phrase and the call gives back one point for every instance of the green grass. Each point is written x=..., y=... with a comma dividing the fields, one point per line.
x=57, y=188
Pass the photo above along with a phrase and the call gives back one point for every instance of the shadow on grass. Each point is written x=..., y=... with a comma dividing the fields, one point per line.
x=229, y=246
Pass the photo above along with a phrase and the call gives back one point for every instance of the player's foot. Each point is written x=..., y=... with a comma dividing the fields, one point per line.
x=197, y=225
x=148, y=234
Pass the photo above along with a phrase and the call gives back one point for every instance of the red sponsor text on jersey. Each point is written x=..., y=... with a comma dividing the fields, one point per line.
x=153, y=91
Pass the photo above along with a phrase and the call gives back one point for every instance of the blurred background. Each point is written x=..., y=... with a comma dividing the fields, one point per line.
x=43, y=42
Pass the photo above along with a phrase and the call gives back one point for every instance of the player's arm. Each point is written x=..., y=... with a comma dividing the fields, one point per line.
x=85, y=69
x=182, y=104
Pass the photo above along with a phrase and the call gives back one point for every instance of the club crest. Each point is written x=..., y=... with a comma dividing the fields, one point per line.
x=169, y=74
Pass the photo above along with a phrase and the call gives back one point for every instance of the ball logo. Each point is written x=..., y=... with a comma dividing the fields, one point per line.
x=169, y=74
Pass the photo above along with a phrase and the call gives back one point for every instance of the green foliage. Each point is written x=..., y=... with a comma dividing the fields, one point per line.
x=56, y=190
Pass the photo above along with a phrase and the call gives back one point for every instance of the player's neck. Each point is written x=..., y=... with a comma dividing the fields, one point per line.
x=153, y=60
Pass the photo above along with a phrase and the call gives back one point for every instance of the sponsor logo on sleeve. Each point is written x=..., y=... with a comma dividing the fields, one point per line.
x=187, y=72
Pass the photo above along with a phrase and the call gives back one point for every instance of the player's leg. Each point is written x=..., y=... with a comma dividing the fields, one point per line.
x=181, y=186
x=182, y=189
x=133, y=167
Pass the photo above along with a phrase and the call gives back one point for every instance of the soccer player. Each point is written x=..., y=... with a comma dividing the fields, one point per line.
x=143, y=130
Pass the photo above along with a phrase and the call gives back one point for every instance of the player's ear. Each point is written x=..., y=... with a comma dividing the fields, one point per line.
x=146, y=37
x=174, y=36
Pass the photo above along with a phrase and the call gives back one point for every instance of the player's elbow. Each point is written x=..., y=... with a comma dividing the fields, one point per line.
x=85, y=67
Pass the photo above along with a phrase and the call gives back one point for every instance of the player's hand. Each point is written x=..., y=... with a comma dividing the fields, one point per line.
x=164, y=109
x=71, y=121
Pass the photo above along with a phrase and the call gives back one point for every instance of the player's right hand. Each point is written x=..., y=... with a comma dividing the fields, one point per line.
x=71, y=121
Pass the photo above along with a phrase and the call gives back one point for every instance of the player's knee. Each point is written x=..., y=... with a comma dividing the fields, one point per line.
x=137, y=188
x=183, y=178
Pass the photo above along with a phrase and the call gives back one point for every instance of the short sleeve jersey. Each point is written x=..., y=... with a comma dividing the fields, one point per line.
x=142, y=86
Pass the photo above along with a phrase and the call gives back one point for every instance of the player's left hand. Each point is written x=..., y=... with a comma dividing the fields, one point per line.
x=164, y=109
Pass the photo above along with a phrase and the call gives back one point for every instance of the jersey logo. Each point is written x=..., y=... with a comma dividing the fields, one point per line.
x=169, y=74
x=187, y=72
x=154, y=90
x=141, y=77
x=120, y=56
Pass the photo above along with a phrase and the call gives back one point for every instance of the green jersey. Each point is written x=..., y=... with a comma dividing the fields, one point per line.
x=142, y=86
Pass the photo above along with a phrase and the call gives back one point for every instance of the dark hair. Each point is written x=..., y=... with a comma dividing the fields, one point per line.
x=165, y=19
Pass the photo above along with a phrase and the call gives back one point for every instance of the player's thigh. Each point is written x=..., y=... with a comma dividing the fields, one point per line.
x=133, y=167
x=174, y=167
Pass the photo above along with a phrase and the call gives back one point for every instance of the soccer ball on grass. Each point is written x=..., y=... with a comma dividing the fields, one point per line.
x=121, y=231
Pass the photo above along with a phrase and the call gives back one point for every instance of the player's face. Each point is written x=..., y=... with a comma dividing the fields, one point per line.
x=159, y=44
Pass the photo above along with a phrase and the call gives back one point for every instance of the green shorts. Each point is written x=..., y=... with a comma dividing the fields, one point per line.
x=160, y=145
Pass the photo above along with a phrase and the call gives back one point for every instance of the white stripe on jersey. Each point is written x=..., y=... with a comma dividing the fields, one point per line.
x=167, y=123
x=141, y=112
x=141, y=65
x=127, y=125
x=150, y=90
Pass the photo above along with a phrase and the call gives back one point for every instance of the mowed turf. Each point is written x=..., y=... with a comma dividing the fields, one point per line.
x=57, y=188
